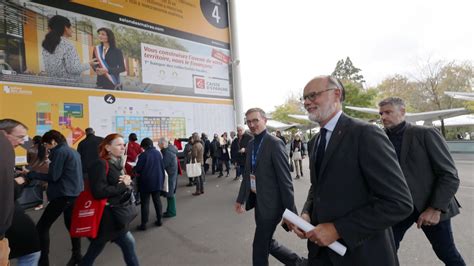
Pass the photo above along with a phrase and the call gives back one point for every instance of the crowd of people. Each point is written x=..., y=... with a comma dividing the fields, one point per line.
x=364, y=192
x=113, y=169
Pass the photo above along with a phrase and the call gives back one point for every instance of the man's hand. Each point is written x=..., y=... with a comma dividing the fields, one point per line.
x=300, y=233
x=239, y=208
x=20, y=180
x=429, y=217
x=323, y=234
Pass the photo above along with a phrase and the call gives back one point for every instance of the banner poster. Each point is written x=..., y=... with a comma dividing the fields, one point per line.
x=158, y=68
x=176, y=47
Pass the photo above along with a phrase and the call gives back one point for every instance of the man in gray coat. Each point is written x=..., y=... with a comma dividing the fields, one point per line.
x=267, y=187
x=431, y=176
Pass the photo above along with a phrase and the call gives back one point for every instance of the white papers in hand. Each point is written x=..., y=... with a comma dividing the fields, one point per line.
x=305, y=226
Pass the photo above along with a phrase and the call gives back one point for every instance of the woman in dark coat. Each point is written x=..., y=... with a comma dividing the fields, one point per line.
x=110, y=61
x=225, y=157
x=108, y=180
x=151, y=174
x=187, y=156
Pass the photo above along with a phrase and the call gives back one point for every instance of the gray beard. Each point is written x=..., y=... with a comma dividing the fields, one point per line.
x=322, y=115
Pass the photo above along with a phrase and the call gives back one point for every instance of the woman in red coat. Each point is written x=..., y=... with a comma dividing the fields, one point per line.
x=133, y=150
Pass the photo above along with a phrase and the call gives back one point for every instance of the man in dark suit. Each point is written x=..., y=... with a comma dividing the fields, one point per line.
x=357, y=187
x=88, y=148
x=267, y=187
x=431, y=176
x=238, y=150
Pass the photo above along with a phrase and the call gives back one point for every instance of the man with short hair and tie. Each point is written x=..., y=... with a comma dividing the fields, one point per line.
x=267, y=187
x=357, y=187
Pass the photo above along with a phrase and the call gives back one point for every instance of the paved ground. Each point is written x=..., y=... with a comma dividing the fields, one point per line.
x=208, y=232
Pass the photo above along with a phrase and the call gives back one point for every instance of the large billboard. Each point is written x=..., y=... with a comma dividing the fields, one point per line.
x=166, y=47
x=165, y=63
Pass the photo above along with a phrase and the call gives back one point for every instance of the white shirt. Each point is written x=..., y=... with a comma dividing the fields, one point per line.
x=330, y=128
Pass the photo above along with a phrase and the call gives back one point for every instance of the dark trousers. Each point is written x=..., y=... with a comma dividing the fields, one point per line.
x=215, y=164
x=264, y=244
x=145, y=205
x=199, y=181
x=125, y=241
x=227, y=166
x=53, y=210
x=239, y=170
x=440, y=237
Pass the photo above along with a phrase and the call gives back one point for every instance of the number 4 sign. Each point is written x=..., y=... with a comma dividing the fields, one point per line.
x=215, y=12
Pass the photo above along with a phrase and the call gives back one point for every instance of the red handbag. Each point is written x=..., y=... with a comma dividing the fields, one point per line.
x=87, y=212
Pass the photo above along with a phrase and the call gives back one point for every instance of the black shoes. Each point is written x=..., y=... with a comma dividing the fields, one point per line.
x=74, y=260
x=141, y=227
x=158, y=223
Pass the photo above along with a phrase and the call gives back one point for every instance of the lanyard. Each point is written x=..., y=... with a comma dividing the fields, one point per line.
x=255, y=155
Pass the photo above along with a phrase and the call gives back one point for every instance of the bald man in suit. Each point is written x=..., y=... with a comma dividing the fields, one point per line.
x=357, y=187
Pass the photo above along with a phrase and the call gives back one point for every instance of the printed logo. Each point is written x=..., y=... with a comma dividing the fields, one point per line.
x=200, y=83
x=88, y=204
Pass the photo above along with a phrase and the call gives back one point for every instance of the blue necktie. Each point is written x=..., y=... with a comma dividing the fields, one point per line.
x=320, y=151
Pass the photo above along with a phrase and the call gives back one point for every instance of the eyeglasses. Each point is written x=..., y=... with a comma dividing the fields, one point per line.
x=253, y=121
x=314, y=95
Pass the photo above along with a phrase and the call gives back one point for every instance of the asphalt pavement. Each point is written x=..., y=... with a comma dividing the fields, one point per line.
x=207, y=231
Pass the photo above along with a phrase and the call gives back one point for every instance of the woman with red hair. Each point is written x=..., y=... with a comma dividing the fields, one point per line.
x=108, y=180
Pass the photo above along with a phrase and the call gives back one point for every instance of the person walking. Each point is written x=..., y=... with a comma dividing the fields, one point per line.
x=357, y=190
x=197, y=156
x=150, y=175
x=297, y=154
x=109, y=181
x=267, y=187
x=431, y=176
x=215, y=153
x=65, y=183
x=239, y=150
x=171, y=167
x=224, y=155
x=88, y=148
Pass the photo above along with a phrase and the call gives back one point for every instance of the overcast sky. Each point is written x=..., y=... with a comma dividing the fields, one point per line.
x=283, y=44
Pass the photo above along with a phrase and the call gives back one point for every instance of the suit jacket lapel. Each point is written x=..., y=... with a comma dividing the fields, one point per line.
x=336, y=138
x=406, y=143
x=312, y=158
